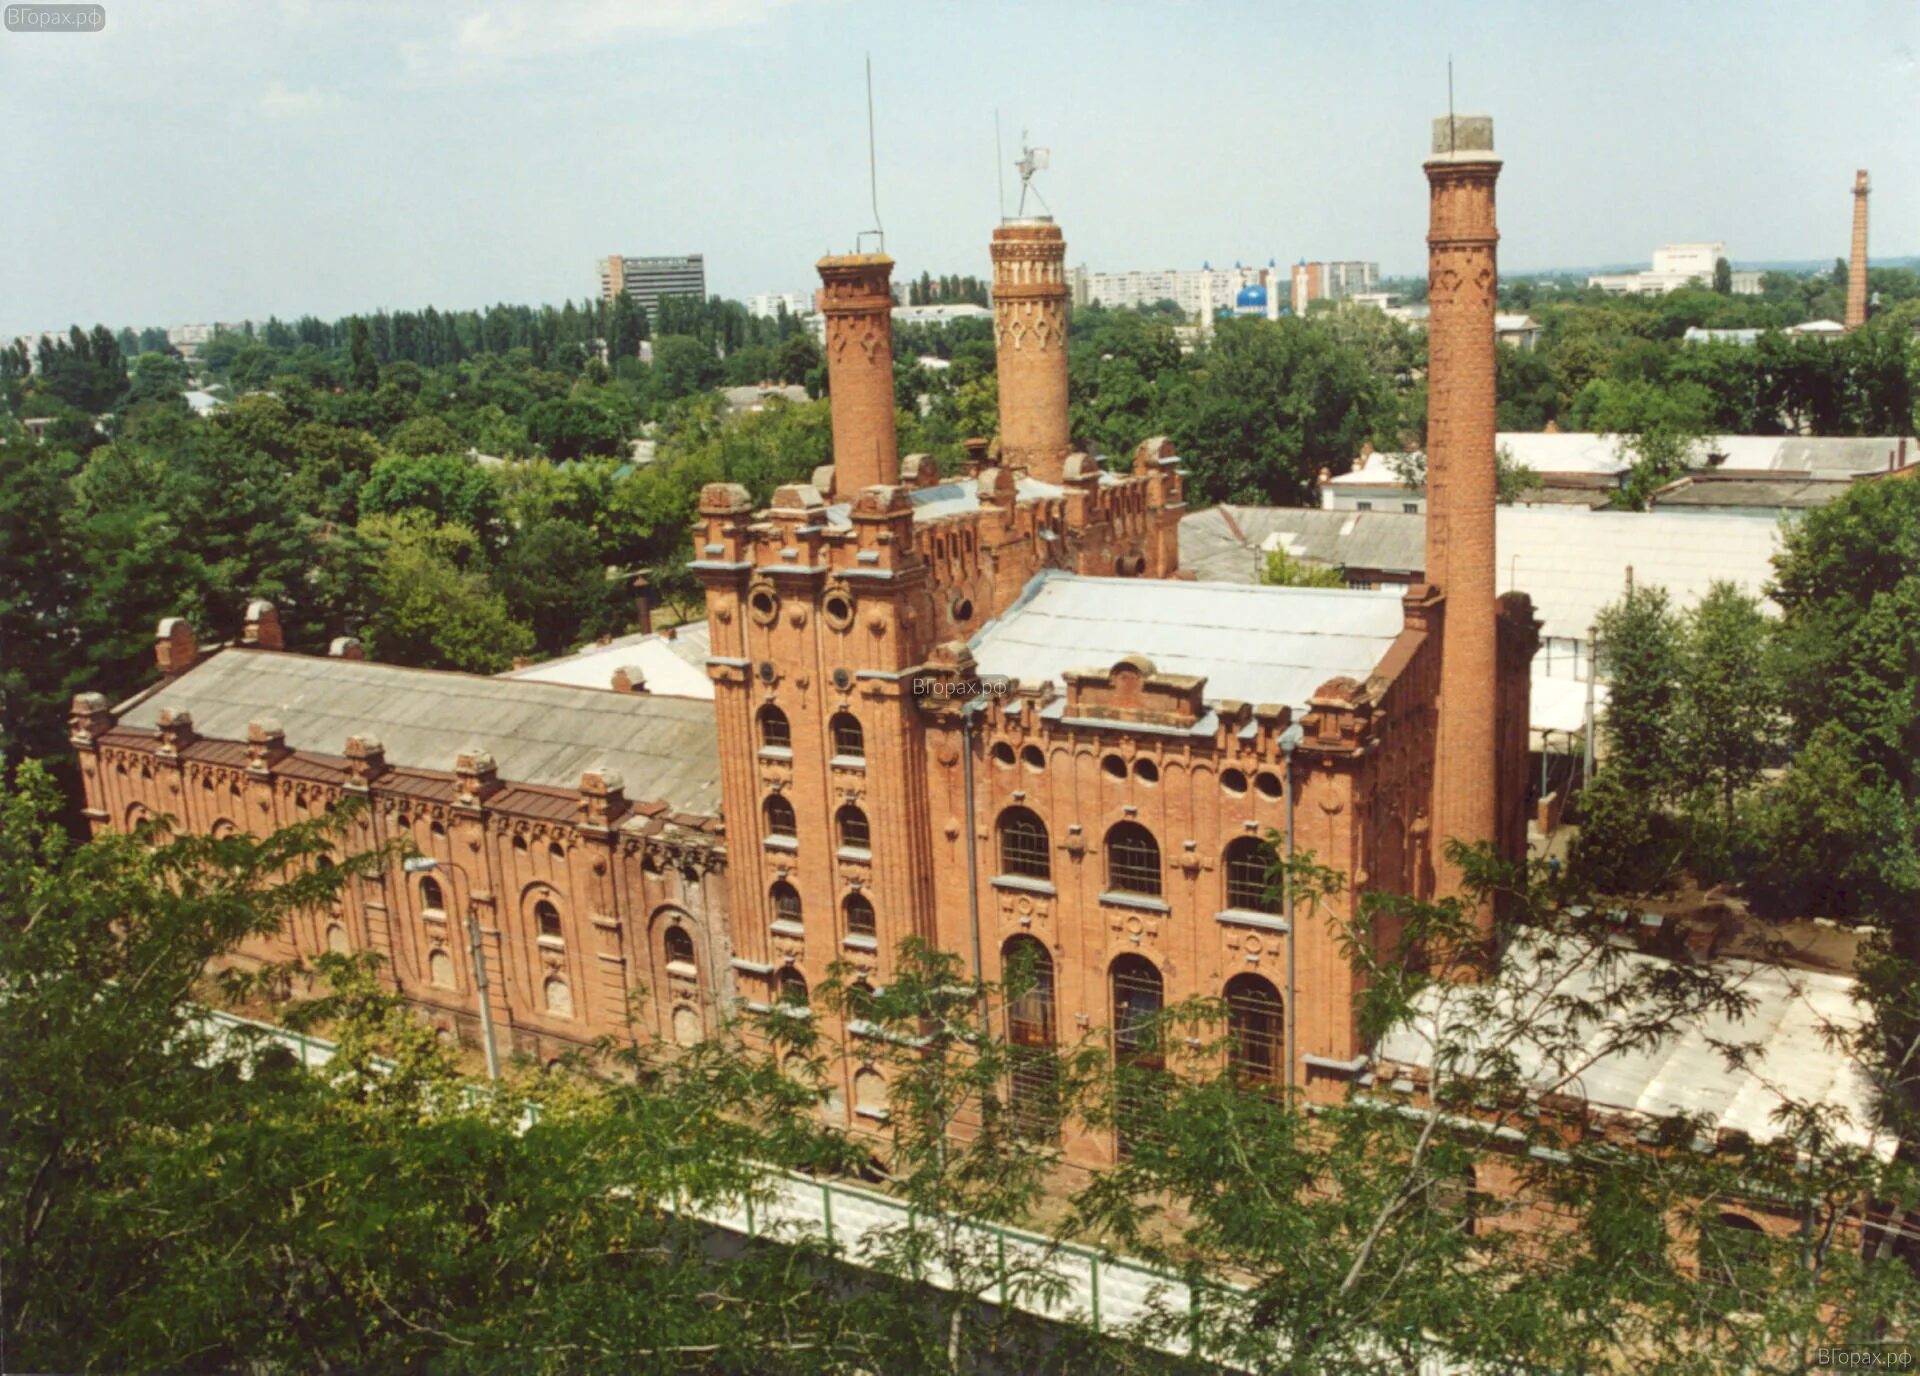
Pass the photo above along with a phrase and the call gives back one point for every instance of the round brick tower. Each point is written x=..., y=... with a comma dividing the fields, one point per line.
x=1030, y=345
x=1462, y=279
x=1857, y=264
x=856, y=296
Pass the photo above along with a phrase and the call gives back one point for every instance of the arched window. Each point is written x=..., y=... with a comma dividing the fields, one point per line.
x=1733, y=1257
x=1246, y=861
x=1256, y=1029
x=1023, y=844
x=1138, y=996
x=678, y=944
x=775, y=732
x=337, y=939
x=1133, y=860
x=1033, y=1080
x=854, y=832
x=869, y=1093
x=786, y=902
x=859, y=913
x=779, y=815
x=431, y=899
x=547, y=917
x=559, y=998
x=790, y=987
x=849, y=741
x=440, y=969
x=686, y=1026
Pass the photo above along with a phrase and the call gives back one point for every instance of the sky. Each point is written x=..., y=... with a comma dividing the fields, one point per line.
x=206, y=160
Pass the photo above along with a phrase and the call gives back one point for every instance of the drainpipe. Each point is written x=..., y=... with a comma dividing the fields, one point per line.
x=1288, y=740
x=973, y=862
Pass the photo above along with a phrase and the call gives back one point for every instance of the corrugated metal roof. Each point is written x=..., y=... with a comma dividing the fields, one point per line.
x=676, y=667
x=1571, y=452
x=537, y=733
x=1686, y=1072
x=1255, y=644
x=1572, y=562
x=953, y=499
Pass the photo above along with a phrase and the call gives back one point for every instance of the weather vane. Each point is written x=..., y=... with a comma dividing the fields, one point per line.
x=1032, y=160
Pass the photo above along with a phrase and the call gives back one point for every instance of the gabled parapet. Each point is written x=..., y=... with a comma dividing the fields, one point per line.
x=1134, y=691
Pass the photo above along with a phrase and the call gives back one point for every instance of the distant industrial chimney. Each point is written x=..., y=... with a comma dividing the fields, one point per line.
x=856, y=296
x=1462, y=279
x=1857, y=264
x=1030, y=345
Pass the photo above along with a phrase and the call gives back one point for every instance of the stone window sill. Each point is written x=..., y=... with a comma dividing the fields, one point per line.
x=1024, y=883
x=854, y=853
x=1247, y=917
x=780, y=926
x=781, y=842
x=682, y=967
x=1145, y=902
x=776, y=752
x=849, y=762
x=855, y=941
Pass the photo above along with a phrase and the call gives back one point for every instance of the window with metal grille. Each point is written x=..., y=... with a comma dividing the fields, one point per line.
x=786, y=902
x=1256, y=1031
x=791, y=986
x=1133, y=860
x=779, y=815
x=1139, y=1067
x=1246, y=862
x=854, y=833
x=1033, y=1078
x=679, y=946
x=431, y=899
x=774, y=730
x=1023, y=844
x=548, y=917
x=849, y=741
x=859, y=912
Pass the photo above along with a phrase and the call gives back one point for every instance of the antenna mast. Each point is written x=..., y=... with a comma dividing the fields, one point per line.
x=1032, y=160
x=873, y=175
x=998, y=167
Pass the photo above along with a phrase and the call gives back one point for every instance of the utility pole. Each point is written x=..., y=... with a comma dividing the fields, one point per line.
x=426, y=864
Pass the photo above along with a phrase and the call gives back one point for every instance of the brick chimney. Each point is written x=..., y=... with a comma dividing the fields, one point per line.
x=173, y=646
x=856, y=296
x=262, y=630
x=1462, y=278
x=1857, y=264
x=1030, y=345
x=346, y=647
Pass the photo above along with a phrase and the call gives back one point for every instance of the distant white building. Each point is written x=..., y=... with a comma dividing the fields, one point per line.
x=940, y=315
x=1675, y=266
x=768, y=304
x=1192, y=290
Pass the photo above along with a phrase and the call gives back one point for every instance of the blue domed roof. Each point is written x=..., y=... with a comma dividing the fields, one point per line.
x=1251, y=296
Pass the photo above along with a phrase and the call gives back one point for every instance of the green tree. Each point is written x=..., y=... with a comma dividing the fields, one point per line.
x=450, y=487
x=1729, y=717
x=1283, y=570
x=554, y=581
x=363, y=369
x=1723, y=277
x=434, y=607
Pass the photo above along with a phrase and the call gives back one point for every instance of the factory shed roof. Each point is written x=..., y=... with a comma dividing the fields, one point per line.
x=1230, y=544
x=537, y=733
x=1254, y=644
x=675, y=666
x=1787, y=1025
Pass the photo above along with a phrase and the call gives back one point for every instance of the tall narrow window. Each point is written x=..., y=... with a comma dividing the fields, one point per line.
x=779, y=814
x=859, y=912
x=791, y=987
x=548, y=917
x=677, y=942
x=1138, y=996
x=852, y=824
x=1256, y=1031
x=1133, y=860
x=775, y=733
x=1033, y=1080
x=1023, y=844
x=849, y=741
x=431, y=898
x=786, y=902
x=1246, y=862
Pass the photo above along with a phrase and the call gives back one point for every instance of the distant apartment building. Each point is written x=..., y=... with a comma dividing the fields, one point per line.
x=768, y=304
x=1195, y=291
x=1675, y=266
x=1330, y=282
x=648, y=281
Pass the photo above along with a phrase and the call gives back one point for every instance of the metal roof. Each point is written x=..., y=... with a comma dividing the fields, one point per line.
x=1788, y=1023
x=1254, y=644
x=676, y=667
x=952, y=499
x=1571, y=561
x=1590, y=455
x=537, y=733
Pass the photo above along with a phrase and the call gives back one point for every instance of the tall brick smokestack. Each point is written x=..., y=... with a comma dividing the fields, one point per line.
x=1462, y=279
x=1857, y=264
x=856, y=295
x=1030, y=345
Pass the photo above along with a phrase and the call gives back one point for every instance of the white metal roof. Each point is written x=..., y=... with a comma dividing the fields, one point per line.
x=1585, y=454
x=1254, y=644
x=675, y=667
x=952, y=499
x=1686, y=1072
x=1559, y=706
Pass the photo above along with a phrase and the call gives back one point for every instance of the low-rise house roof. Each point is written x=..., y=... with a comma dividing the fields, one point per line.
x=674, y=665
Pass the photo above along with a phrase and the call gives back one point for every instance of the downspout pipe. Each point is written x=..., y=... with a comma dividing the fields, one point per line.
x=1290, y=738
x=973, y=859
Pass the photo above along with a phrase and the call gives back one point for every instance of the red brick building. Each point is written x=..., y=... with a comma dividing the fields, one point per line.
x=985, y=709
